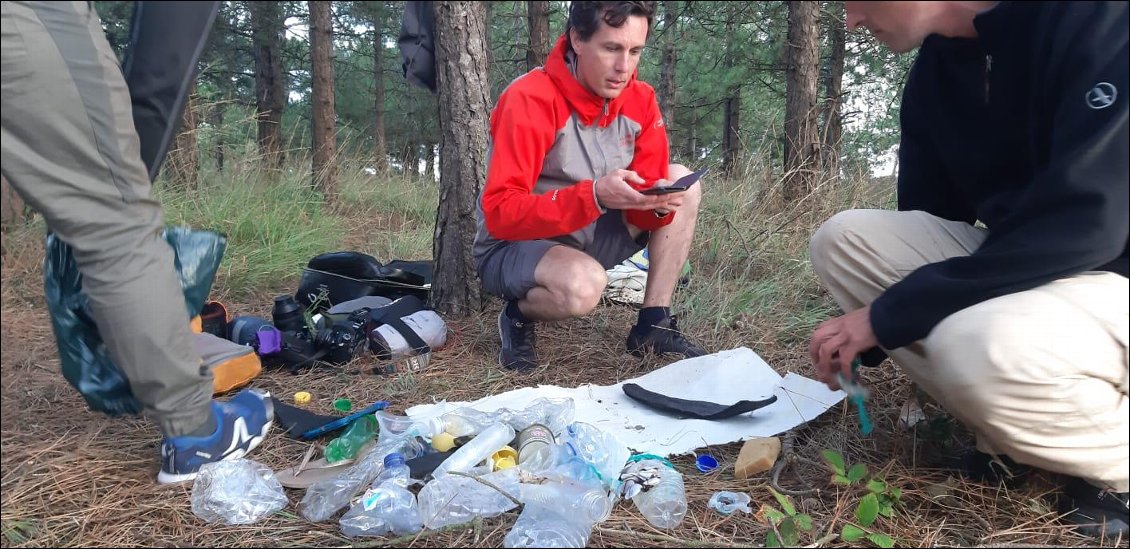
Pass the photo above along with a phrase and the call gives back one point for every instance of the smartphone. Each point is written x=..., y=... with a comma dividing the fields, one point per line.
x=342, y=422
x=679, y=186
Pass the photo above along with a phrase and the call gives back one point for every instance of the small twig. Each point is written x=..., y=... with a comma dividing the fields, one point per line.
x=788, y=457
x=488, y=484
x=669, y=539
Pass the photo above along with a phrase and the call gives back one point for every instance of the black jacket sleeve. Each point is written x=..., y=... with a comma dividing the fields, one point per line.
x=1073, y=215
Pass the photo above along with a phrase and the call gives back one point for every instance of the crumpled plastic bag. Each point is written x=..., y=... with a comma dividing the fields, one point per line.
x=238, y=491
x=85, y=361
x=727, y=503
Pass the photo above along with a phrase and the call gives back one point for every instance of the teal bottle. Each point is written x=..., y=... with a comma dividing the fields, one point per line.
x=359, y=433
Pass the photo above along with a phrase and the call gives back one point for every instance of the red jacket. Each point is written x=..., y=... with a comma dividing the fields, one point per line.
x=550, y=138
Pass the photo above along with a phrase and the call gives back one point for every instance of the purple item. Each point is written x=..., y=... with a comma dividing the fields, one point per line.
x=270, y=340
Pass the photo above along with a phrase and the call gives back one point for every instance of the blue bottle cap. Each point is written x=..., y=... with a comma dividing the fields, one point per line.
x=706, y=463
x=394, y=459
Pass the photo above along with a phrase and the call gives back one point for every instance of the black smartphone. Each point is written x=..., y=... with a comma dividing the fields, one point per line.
x=679, y=186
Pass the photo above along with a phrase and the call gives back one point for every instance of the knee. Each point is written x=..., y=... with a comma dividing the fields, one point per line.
x=839, y=236
x=692, y=198
x=580, y=291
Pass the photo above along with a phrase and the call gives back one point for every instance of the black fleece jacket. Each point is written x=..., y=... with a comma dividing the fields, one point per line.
x=1025, y=130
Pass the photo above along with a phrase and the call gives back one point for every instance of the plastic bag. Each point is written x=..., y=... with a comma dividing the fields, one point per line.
x=238, y=491
x=727, y=503
x=85, y=361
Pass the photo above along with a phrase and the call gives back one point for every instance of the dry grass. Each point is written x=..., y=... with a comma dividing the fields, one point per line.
x=71, y=477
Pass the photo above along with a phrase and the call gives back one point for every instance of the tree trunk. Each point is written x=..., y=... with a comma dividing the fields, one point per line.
x=325, y=141
x=802, y=145
x=11, y=205
x=670, y=59
x=380, y=144
x=833, y=93
x=270, y=89
x=216, y=120
x=184, y=159
x=731, y=118
x=463, y=81
x=538, y=48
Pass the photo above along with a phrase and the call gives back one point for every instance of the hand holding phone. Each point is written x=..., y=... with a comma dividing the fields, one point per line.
x=679, y=186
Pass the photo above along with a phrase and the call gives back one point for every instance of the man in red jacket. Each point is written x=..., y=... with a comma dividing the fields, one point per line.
x=572, y=145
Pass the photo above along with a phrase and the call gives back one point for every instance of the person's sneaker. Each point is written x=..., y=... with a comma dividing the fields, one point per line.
x=518, y=343
x=241, y=424
x=662, y=338
x=985, y=468
x=1095, y=512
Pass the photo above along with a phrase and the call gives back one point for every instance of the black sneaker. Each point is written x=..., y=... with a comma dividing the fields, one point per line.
x=662, y=338
x=985, y=468
x=1094, y=511
x=518, y=341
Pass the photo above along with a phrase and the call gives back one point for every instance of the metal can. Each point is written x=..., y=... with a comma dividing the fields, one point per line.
x=535, y=447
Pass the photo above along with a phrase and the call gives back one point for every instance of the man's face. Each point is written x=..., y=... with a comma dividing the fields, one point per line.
x=607, y=60
x=902, y=26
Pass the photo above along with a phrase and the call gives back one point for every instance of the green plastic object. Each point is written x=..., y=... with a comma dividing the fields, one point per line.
x=85, y=362
x=343, y=405
x=358, y=434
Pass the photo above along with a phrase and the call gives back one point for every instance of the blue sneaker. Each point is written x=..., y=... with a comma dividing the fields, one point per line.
x=241, y=424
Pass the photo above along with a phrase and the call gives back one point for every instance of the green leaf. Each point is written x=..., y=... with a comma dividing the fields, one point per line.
x=857, y=472
x=877, y=486
x=886, y=510
x=771, y=540
x=852, y=533
x=867, y=511
x=789, y=534
x=835, y=460
x=840, y=479
x=896, y=493
x=881, y=540
x=773, y=515
x=784, y=501
x=803, y=521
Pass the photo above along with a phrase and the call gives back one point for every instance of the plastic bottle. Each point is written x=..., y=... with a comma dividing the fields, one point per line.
x=665, y=504
x=589, y=502
x=394, y=427
x=387, y=506
x=477, y=450
x=395, y=471
x=599, y=448
x=359, y=433
x=545, y=526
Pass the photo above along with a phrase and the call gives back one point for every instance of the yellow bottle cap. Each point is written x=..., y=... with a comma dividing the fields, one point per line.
x=302, y=397
x=504, y=463
x=443, y=442
x=505, y=458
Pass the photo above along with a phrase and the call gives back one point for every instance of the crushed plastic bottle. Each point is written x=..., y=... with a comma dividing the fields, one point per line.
x=393, y=427
x=326, y=497
x=359, y=433
x=600, y=449
x=238, y=491
x=728, y=502
x=387, y=506
x=589, y=502
x=662, y=503
x=454, y=499
x=544, y=526
x=477, y=450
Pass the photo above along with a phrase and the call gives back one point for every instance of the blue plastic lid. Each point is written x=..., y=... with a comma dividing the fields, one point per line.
x=706, y=463
x=394, y=459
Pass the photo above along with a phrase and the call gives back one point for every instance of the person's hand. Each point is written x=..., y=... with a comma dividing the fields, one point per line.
x=838, y=341
x=613, y=191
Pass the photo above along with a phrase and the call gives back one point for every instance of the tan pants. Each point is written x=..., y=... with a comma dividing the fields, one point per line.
x=70, y=150
x=1039, y=375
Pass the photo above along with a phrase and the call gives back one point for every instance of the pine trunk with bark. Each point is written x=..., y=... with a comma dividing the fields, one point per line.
x=802, y=145
x=833, y=92
x=667, y=84
x=538, y=21
x=270, y=87
x=464, y=108
x=324, y=165
x=184, y=160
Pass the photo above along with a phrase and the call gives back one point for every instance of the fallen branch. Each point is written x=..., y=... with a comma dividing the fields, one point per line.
x=787, y=458
x=488, y=484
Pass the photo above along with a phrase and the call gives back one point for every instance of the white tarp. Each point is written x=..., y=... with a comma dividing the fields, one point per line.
x=723, y=378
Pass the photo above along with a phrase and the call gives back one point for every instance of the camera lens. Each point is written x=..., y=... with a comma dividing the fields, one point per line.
x=287, y=314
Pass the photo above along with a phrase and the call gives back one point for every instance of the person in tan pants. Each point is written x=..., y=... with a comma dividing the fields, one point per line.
x=71, y=150
x=1000, y=286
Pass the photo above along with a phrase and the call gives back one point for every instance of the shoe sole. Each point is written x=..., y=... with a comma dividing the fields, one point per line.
x=170, y=478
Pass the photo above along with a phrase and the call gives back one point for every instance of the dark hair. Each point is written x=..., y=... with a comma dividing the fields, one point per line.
x=585, y=17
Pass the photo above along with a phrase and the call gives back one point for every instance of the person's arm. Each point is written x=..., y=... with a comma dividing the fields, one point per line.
x=650, y=161
x=523, y=130
x=1072, y=217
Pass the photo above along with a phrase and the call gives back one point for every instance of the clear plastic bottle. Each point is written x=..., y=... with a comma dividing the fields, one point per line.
x=403, y=427
x=590, y=502
x=599, y=448
x=387, y=506
x=359, y=433
x=544, y=526
x=665, y=504
x=395, y=471
x=478, y=449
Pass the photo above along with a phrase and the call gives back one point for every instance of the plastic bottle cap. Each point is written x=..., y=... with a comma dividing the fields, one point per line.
x=343, y=405
x=706, y=463
x=302, y=397
x=505, y=458
x=443, y=441
x=504, y=463
x=394, y=459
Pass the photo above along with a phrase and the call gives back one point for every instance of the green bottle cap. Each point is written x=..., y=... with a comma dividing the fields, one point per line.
x=343, y=405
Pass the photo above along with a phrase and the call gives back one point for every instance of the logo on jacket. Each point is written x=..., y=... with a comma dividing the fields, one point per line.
x=1102, y=95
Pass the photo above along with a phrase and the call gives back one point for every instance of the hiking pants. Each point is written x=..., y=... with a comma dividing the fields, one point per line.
x=1039, y=375
x=70, y=150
